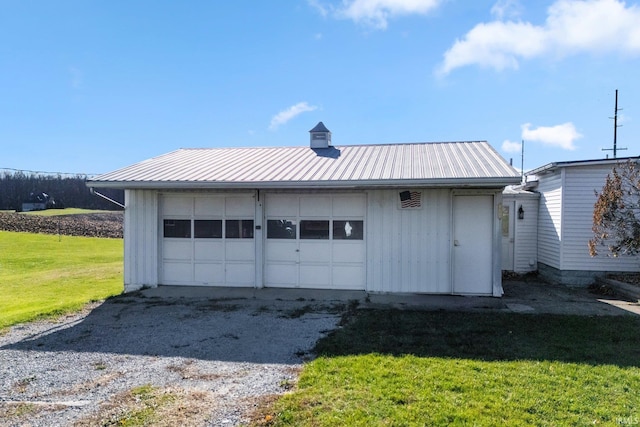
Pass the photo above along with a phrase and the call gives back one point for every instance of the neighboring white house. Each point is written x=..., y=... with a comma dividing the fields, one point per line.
x=397, y=218
x=565, y=218
x=519, y=229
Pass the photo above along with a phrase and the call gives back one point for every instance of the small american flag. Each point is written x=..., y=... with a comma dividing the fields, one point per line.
x=410, y=199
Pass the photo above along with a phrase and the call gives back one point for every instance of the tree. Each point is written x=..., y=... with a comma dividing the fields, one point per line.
x=616, y=214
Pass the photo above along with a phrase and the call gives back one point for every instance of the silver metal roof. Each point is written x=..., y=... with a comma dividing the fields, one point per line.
x=463, y=164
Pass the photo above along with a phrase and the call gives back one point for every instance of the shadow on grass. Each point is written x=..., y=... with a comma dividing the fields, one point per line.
x=613, y=340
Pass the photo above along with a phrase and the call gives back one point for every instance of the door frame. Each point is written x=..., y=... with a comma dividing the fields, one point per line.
x=496, y=244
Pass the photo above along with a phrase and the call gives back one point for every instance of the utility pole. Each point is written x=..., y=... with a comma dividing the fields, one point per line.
x=615, y=130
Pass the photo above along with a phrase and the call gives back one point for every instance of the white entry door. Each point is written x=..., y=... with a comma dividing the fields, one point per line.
x=472, y=245
x=315, y=241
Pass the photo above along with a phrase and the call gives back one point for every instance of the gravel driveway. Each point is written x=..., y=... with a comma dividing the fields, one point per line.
x=221, y=356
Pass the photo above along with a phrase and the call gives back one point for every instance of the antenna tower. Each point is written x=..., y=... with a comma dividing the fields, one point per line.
x=615, y=130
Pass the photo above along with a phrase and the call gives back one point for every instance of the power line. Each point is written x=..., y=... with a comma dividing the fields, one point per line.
x=48, y=173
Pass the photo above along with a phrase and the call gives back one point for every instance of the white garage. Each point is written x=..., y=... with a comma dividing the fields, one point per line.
x=393, y=218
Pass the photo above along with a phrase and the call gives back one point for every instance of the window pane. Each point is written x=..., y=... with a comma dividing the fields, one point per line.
x=505, y=221
x=177, y=228
x=207, y=228
x=238, y=229
x=351, y=230
x=314, y=229
x=281, y=229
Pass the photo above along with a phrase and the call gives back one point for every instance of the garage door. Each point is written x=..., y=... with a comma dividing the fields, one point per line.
x=207, y=240
x=315, y=241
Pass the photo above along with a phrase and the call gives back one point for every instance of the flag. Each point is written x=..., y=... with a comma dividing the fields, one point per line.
x=410, y=199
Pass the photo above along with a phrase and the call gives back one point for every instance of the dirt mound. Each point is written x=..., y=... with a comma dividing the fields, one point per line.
x=108, y=224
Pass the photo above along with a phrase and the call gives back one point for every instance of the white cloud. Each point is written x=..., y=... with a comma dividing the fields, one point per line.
x=562, y=136
x=511, y=147
x=571, y=27
x=375, y=13
x=506, y=9
x=284, y=116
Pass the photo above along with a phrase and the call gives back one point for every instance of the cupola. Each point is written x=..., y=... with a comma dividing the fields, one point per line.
x=320, y=136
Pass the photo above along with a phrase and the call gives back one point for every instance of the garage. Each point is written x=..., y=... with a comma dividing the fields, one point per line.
x=207, y=240
x=419, y=217
x=315, y=241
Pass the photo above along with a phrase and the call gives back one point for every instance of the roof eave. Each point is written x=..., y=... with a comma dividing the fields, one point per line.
x=484, y=182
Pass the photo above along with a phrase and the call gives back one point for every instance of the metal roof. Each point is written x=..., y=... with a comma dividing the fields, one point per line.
x=459, y=164
x=551, y=167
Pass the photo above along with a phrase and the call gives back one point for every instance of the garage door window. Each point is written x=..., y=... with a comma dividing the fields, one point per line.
x=239, y=229
x=348, y=230
x=281, y=229
x=179, y=228
x=314, y=229
x=207, y=228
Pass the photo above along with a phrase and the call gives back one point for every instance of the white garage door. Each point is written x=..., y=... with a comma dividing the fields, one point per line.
x=207, y=240
x=315, y=241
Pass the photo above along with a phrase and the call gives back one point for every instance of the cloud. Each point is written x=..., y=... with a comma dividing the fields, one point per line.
x=506, y=9
x=571, y=27
x=511, y=147
x=562, y=136
x=284, y=116
x=375, y=13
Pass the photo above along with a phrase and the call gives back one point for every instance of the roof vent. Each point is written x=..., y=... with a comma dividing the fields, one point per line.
x=320, y=136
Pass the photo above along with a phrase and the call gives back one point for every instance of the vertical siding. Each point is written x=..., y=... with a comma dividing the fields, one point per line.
x=526, y=235
x=580, y=185
x=550, y=219
x=408, y=250
x=140, y=239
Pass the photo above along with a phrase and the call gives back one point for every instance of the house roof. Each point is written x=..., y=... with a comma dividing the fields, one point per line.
x=551, y=167
x=465, y=164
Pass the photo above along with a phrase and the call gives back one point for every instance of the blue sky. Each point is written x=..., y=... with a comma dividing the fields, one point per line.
x=92, y=86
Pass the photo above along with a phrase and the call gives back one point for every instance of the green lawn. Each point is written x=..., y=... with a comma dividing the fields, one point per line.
x=43, y=275
x=400, y=368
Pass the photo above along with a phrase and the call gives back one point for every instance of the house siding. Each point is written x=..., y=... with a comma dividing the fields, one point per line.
x=526, y=235
x=409, y=250
x=579, y=199
x=550, y=219
x=140, y=239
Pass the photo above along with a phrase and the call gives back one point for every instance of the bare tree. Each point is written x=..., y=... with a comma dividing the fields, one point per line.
x=616, y=214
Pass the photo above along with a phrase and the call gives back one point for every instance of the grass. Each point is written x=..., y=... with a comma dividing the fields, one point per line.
x=45, y=275
x=388, y=367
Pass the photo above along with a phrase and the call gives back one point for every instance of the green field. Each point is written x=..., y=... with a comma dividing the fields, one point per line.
x=43, y=275
x=394, y=368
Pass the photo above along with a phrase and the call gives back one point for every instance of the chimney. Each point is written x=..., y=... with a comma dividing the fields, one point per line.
x=320, y=136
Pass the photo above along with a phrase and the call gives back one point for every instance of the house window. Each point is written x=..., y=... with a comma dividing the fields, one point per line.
x=312, y=229
x=207, y=229
x=348, y=230
x=238, y=229
x=281, y=229
x=180, y=228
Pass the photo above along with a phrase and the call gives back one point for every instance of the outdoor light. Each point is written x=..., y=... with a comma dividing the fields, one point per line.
x=520, y=212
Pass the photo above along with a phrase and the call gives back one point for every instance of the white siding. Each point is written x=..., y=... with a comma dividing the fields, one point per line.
x=140, y=239
x=409, y=250
x=550, y=219
x=580, y=184
x=526, y=235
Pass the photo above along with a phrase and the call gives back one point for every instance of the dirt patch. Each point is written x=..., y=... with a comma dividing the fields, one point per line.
x=108, y=224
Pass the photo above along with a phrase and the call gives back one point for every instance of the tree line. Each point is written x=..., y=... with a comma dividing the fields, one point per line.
x=63, y=191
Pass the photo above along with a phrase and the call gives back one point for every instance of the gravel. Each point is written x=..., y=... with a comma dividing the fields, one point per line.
x=62, y=372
